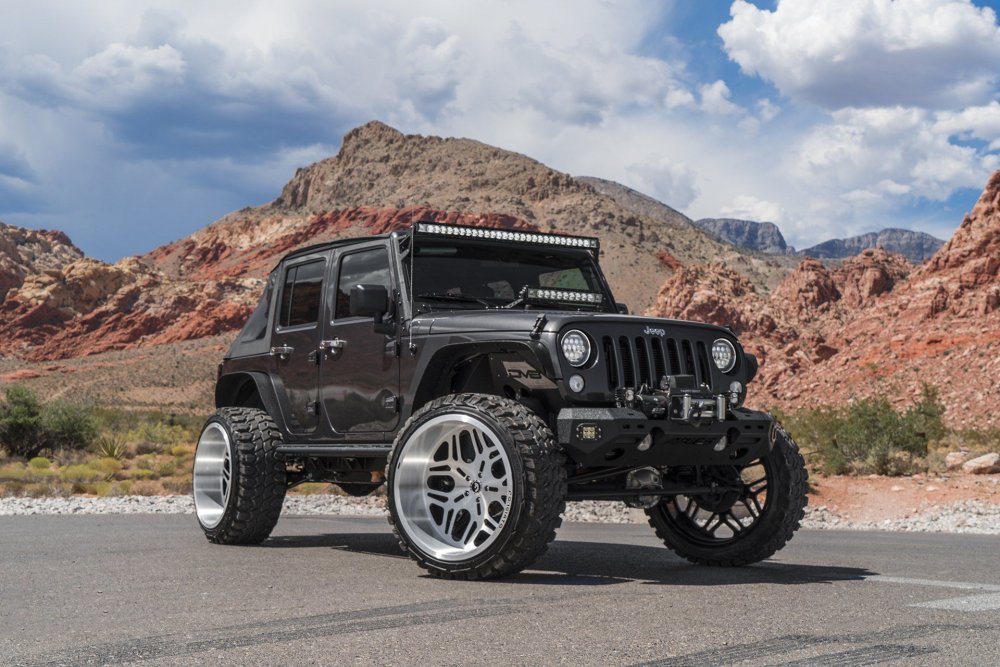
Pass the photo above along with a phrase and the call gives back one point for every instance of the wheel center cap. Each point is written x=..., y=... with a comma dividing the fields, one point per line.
x=475, y=486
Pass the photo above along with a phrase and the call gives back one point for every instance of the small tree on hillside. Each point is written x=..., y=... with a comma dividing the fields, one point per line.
x=27, y=427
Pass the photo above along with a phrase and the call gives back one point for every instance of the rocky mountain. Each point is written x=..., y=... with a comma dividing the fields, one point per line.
x=26, y=252
x=764, y=237
x=915, y=246
x=873, y=324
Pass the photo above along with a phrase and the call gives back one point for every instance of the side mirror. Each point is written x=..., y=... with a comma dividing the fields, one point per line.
x=372, y=301
x=369, y=301
x=622, y=308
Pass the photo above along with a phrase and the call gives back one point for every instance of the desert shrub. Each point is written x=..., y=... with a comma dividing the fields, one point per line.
x=147, y=447
x=159, y=433
x=40, y=463
x=870, y=435
x=13, y=472
x=80, y=473
x=69, y=425
x=167, y=469
x=29, y=427
x=180, y=486
x=112, y=446
x=107, y=467
x=181, y=451
x=146, y=488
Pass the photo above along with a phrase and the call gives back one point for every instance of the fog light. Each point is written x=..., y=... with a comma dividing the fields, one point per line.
x=576, y=383
x=645, y=443
x=588, y=431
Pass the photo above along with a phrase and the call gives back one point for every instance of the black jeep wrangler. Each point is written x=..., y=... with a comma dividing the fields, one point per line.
x=487, y=376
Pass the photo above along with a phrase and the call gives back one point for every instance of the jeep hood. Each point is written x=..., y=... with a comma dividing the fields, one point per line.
x=470, y=321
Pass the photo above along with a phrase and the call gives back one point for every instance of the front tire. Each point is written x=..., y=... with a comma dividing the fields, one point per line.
x=476, y=487
x=730, y=529
x=239, y=476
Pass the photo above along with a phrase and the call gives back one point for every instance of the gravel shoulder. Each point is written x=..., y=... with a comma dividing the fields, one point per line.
x=966, y=516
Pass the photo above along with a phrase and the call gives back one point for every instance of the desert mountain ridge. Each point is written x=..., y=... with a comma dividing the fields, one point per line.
x=766, y=237
x=812, y=325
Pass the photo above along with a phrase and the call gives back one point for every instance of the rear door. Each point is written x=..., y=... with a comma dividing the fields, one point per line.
x=360, y=377
x=295, y=341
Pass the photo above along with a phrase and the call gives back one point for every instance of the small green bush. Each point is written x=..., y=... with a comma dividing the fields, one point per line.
x=40, y=463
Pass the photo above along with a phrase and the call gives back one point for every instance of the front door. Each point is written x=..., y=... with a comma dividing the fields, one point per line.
x=295, y=342
x=360, y=377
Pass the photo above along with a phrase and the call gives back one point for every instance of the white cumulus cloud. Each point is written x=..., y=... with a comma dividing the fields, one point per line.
x=855, y=53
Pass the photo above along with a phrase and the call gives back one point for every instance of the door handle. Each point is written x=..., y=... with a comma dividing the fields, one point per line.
x=332, y=346
x=282, y=351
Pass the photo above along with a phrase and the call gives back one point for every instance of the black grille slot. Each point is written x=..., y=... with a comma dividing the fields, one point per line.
x=659, y=366
x=628, y=363
x=706, y=375
x=642, y=359
x=675, y=359
x=611, y=356
x=688, y=353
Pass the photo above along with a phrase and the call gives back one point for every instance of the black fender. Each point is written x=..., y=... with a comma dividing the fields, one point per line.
x=232, y=390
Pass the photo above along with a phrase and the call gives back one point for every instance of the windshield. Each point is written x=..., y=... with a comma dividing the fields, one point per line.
x=454, y=273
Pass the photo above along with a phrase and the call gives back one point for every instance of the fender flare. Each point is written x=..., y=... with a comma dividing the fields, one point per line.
x=232, y=386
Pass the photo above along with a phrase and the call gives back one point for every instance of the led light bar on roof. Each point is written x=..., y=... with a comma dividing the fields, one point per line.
x=508, y=235
x=563, y=295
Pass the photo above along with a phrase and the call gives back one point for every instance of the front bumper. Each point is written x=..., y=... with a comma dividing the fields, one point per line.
x=596, y=437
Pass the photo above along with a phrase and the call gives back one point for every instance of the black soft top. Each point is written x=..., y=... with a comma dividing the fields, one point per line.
x=316, y=247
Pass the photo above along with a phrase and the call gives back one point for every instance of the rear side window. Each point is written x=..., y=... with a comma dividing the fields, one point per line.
x=370, y=267
x=301, y=294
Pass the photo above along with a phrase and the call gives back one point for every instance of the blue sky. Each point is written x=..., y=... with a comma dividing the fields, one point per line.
x=129, y=124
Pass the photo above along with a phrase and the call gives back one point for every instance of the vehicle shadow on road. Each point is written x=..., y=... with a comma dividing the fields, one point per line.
x=572, y=562
x=579, y=563
x=376, y=544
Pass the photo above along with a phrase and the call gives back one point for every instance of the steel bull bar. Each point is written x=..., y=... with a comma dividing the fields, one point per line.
x=623, y=436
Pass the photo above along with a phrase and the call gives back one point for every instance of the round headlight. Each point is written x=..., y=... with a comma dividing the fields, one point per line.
x=576, y=348
x=724, y=355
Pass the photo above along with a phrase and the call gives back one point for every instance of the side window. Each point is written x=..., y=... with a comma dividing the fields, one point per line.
x=370, y=267
x=301, y=294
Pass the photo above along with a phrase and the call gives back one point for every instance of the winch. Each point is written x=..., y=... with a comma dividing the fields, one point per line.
x=679, y=398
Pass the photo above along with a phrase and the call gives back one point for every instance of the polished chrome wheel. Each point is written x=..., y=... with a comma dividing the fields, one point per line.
x=213, y=474
x=452, y=487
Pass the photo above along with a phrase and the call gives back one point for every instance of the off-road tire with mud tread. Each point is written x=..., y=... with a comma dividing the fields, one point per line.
x=541, y=465
x=258, y=479
x=775, y=529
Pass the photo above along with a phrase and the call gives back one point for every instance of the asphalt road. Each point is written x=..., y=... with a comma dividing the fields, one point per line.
x=100, y=590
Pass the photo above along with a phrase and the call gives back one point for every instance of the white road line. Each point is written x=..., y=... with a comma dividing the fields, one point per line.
x=963, y=585
x=983, y=602
x=988, y=602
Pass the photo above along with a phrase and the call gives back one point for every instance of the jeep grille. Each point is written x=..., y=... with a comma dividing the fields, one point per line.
x=644, y=360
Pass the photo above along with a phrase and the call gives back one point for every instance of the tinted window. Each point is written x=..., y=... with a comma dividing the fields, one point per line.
x=361, y=268
x=301, y=293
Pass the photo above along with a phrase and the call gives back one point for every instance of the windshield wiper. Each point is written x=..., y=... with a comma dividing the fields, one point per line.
x=460, y=298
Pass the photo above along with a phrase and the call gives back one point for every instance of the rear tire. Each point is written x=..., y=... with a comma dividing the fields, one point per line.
x=476, y=487
x=239, y=476
x=732, y=530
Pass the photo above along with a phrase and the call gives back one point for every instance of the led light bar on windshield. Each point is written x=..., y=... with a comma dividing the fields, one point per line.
x=562, y=295
x=508, y=235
